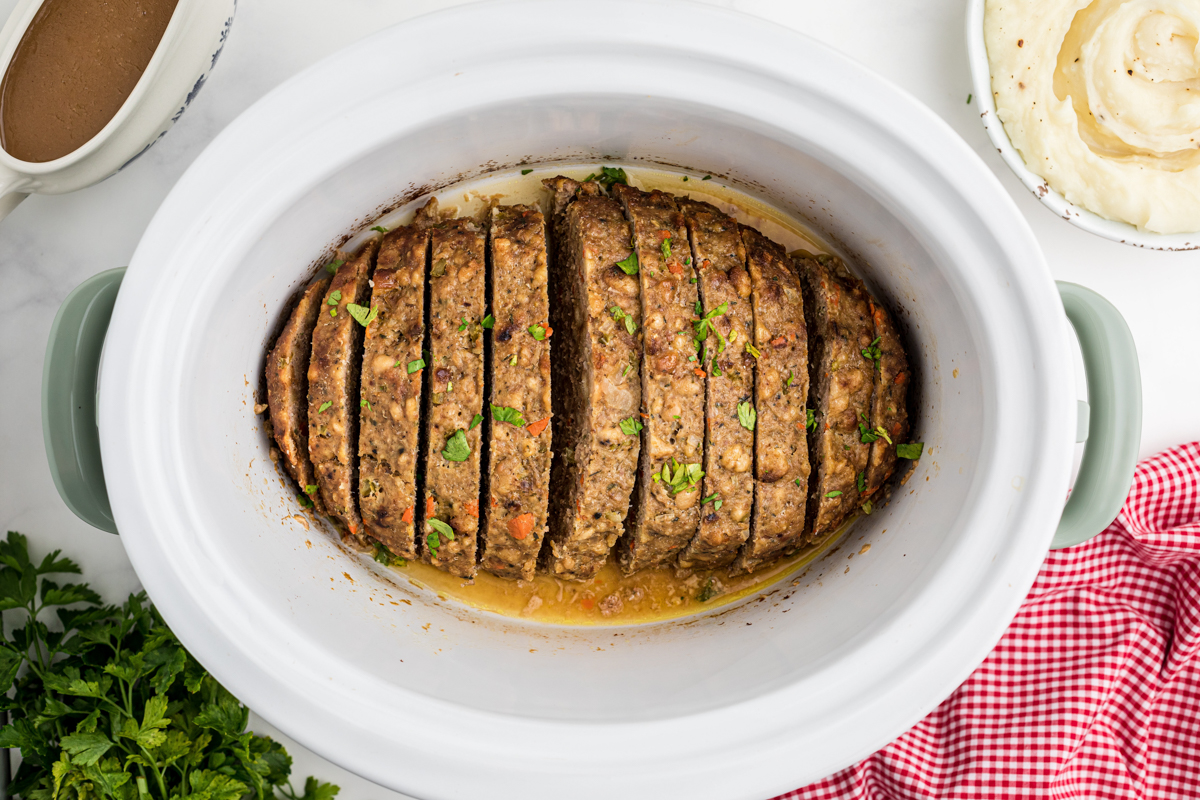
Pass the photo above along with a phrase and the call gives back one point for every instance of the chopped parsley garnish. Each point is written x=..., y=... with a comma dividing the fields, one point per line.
x=464, y=324
x=625, y=371
x=310, y=490
x=386, y=557
x=705, y=324
x=833, y=494
x=618, y=315
x=911, y=451
x=305, y=501
x=747, y=415
x=526, y=171
x=685, y=177
x=631, y=426
x=699, y=309
x=362, y=315
x=866, y=434
x=365, y=403
x=861, y=482
x=797, y=481
x=335, y=297
x=506, y=414
x=707, y=593
x=434, y=537
x=537, y=332
x=717, y=505
x=475, y=420
x=969, y=96
x=710, y=498
x=608, y=176
x=680, y=477
x=512, y=362
x=752, y=350
x=872, y=352
x=457, y=448
x=707, y=178
x=791, y=377
x=416, y=366
x=489, y=322
x=630, y=265
x=379, y=228
x=666, y=246
x=810, y=420
x=321, y=409
x=332, y=266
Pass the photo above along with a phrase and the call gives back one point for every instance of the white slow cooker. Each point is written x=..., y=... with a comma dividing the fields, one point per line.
x=441, y=701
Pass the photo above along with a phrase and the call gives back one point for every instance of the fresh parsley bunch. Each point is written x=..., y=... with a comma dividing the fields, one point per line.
x=113, y=706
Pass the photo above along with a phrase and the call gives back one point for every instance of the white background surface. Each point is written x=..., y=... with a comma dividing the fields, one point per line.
x=50, y=244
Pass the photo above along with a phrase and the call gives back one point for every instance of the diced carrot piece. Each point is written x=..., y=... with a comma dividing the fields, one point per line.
x=900, y=377
x=549, y=331
x=676, y=268
x=536, y=428
x=408, y=514
x=699, y=372
x=353, y=528
x=473, y=508
x=587, y=603
x=521, y=526
x=430, y=508
x=778, y=341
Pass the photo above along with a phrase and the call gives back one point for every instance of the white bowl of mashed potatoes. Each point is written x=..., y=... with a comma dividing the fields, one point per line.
x=1095, y=105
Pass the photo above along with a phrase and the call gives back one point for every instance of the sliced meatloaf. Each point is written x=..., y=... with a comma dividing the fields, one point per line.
x=333, y=373
x=597, y=319
x=666, y=508
x=781, y=391
x=889, y=403
x=840, y=326
x=719, y=257
x=455, y=404
x=390, y=402
x=287, y=390
x=519, y=438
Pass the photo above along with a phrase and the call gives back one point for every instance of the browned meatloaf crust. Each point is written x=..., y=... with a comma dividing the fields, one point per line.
x=519, y=449
x=287, y=390
x=597, y=319
x=840, y=325
x=390, y=405
x=456, y=311
x=719, y=257
x=889, y=404
x=665, y=514
x=333, y=373
x=781, y=391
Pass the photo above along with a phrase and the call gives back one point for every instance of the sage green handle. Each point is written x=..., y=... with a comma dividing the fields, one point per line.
x=69, y=378
x=1114, y=427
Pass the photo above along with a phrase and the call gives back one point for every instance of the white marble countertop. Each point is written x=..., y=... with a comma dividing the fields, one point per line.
x=50, y=244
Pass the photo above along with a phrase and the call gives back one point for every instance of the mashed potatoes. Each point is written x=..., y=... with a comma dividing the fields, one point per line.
x=1102, y=99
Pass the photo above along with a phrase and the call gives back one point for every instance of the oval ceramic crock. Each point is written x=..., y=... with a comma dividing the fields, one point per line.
x=441, y=701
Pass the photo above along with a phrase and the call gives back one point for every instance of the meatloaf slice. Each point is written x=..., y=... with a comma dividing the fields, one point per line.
x=666, y=507
x=597, y=391
x=840, y=326
x=719, y=257
x=390, y=405
x=519, y=439
x=333, y=373
x=287, y=390
x=889, y=403
x=781, y=391
x=454, y=408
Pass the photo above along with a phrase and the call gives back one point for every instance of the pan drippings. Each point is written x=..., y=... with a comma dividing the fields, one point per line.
x=73, y=69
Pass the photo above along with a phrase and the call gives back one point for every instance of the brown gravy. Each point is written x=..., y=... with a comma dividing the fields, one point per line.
x=73, y=69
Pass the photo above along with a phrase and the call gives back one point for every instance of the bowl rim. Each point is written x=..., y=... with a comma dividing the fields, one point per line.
x=1080, y=217
x=275, y=680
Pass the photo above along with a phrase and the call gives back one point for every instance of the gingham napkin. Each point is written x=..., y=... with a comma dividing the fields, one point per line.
x=1094, y=691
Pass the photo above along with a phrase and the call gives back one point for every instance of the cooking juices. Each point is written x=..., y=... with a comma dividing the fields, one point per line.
x=611, y=598
x=73, y=69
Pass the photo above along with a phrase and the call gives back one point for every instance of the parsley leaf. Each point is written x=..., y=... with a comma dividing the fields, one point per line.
x=526, y=171
x=861, y=482
x=361, y=314
x=680, y=477
x=332, y=267
x=463, y=327
x=434, y=537
x=489, y=322
x=475, y=420
x=416, y=366
x=608, y=176
x=630, y=265
x=457, y=448
x=747, y=416
x=618, y=315
x=705, y=324
x=321, y=409
x=509, y=415
x=810, y=421
x=868, y=434
x=910, y=451
x=310, y=490
x=335, y=297
x=872, y=352
x=631, y=426
x=386, y=557
x=364, y=403
x=537, y=332
x=833, y=494
x=379, y=228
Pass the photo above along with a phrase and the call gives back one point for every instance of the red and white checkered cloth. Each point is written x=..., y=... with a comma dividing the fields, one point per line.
x=1094, y=691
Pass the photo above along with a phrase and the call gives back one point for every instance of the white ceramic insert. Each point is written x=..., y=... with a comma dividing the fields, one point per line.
x=442, y=702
